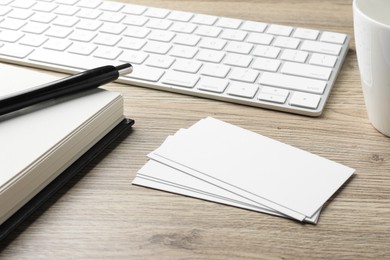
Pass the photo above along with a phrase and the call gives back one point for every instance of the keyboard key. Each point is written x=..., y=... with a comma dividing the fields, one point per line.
x=66, y=10
x=146, y=73
x=292, y=82
x=180, y=16
x=266, y=51
x=131, y=43
x=208, y=31
x=239, y=47
x=184, y=39
x=215, y=70
x=210, y=56
x=180, y=79
x=266, y=64
x=233, y=35
x=25, y=4
x=157, y=47
x=254, y=26
x=107, y=39
x=82, y=35
x=242, y=89
x=16, y=51
x=305, y=100
x=134, y=9
x=331, y=37
x=204, y=19
x=212, y=43
x=44, y=7
x=237, y=60
x=89, y=14
x=306, y=70
x=10, y=36
x=57, y=44
x=323, y=60
x=90, y=25
x=184, y=65
x=111, y=6
x=183, y=52
x=294, y=55
x=107, y=53
x=307, y=34
x=12, y=24
x=183, y=27
x=321, y=47
x=33, y=40
x=281, y=30
x=58, y=31
x=156, y=12
x=137, y=32
x=135, y=20
x=43, y=17
x=89, y=3
x=272, y=98
x=35, y=28
x=159, y=61
x=271, y=94
x=228, y=23
x=213, y=84
x=260, y=38
x=66, y=2
x=67, y=21
x=112, y=28
x=111, y=17
x=286, y=42
x=159, y=24
x=133, y=57
x=162, y=36
x=82, y=48
x=21, y=14
x=244, y=75
x=274, y=91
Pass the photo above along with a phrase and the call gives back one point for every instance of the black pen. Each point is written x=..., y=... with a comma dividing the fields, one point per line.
x=73, y=84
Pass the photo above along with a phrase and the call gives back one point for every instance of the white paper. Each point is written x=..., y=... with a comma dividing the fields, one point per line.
x=287, y=179
x=159, y=176
x=260, y=171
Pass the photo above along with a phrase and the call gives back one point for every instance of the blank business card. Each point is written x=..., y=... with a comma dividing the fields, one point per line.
x=264, y=172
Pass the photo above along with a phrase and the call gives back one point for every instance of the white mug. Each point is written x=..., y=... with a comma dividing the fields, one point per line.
x=372, y=38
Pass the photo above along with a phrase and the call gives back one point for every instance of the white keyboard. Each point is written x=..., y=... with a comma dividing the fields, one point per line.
x=253, y=63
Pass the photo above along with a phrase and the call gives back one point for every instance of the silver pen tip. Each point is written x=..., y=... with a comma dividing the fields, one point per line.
x=124, y=69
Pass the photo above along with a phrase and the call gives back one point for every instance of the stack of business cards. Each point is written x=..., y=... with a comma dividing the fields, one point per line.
x=220, y=162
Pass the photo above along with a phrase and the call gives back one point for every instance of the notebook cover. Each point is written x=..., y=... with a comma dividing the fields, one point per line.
x=38, y=200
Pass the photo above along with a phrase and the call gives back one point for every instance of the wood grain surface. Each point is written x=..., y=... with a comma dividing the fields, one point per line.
x=100, y=215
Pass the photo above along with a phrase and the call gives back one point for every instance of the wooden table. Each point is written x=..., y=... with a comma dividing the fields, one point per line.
x=101, y=215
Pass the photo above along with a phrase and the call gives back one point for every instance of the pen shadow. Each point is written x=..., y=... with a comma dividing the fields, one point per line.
x=65, y=184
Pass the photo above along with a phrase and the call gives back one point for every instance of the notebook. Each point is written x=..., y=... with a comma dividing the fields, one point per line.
x=39, y=142
x=53, y=187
